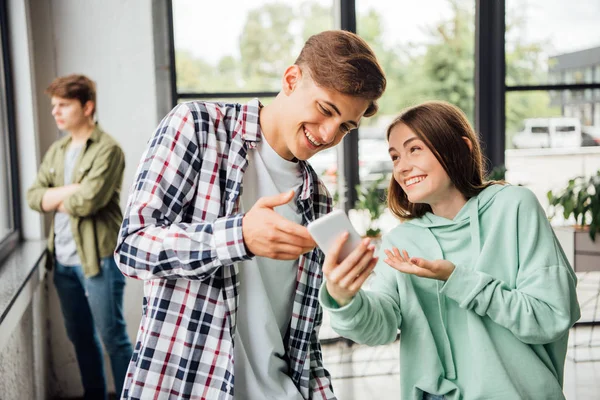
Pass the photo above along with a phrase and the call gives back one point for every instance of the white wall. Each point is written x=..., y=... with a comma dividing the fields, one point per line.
x=24, y=349
x=542, y=170
x=121, y=45
x=112, y=42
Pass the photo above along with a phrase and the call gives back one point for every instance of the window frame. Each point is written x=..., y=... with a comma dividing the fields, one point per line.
x=565, y=89
x=10, y=242
x=489, y=110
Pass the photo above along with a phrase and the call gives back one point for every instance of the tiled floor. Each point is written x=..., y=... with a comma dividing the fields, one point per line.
x=362, y=372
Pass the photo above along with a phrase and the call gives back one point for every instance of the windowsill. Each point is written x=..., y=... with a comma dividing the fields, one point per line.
x=16, y=272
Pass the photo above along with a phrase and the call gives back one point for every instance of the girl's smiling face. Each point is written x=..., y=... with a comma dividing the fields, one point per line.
x=420, y=174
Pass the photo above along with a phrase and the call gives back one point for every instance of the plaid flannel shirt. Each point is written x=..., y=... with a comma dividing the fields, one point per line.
x=182, y=235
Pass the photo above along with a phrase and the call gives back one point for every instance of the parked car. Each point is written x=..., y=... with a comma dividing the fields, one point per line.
x=590, y=136
x=548, y=132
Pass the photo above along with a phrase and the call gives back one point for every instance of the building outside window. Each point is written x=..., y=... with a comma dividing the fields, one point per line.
x=552, y=81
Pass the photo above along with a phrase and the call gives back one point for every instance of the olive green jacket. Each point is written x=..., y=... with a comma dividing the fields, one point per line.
x=94, y=209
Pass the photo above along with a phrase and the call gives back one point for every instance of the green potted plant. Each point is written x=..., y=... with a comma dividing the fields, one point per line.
x=498, y=173
x=371, y=199
x=581, y=200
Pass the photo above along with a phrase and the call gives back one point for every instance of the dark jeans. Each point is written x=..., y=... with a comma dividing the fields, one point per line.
x=90, y=303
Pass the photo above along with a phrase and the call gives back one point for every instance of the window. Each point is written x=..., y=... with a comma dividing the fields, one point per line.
x=539, y=129
x=243, y=56
x=223, y=49
x=9, y=204
x=565, y=129
x=548, y=49
x=6, y=223
x=425, y=55
x=553, y=73
x=548, y=41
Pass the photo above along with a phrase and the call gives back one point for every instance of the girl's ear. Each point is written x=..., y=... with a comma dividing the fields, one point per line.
x=468, y=142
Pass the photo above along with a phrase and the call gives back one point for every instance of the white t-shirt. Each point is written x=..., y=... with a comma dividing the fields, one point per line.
x=65, y=249
x=266, y=290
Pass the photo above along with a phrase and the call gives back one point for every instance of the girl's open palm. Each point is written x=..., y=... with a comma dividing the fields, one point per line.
x=436, y=269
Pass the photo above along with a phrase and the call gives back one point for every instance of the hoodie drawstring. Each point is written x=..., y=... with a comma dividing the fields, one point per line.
x=476, y=250
x=474, y=227
x=448, y=361
x=448, y=358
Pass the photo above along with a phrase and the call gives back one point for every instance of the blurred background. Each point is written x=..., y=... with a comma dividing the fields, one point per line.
x=526, y=73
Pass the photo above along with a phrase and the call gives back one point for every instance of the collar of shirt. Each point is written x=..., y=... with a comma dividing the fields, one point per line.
x=251, y=133
x=94, y=137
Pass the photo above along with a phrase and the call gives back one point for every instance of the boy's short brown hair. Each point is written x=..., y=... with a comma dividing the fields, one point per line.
x=344, y=62
x=74, y=86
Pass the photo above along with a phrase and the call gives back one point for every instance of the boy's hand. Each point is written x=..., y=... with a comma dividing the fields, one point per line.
x=268, y=234
x=436, y=269
x=343, y=280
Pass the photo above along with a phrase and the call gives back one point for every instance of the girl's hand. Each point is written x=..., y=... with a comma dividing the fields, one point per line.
x=437, y=269
x=344, y=279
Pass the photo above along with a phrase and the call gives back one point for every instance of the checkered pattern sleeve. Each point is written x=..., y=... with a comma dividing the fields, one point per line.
x=164, y=234
x=319, y=380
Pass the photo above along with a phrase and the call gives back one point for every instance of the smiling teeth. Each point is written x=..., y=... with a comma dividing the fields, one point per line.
x=311, y=138
x=412, y=181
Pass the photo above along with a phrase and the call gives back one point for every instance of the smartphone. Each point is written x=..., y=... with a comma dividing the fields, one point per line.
x=328, y=228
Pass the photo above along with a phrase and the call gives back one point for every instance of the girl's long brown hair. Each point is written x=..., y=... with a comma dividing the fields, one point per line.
x=442, y=127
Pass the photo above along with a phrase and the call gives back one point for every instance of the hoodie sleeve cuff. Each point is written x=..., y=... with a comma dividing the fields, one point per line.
x=346, y=312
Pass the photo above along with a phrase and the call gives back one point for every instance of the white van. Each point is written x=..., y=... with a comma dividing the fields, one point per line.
x=548, y=132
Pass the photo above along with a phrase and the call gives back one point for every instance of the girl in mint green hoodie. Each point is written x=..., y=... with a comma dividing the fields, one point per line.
x=474, y=277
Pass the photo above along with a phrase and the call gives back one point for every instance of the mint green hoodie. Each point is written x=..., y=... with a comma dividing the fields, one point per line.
x=498, y=328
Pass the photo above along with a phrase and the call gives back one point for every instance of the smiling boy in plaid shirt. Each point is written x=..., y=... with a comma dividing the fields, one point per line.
x=215, y=226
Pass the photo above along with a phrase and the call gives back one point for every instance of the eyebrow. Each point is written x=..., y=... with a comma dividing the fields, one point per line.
x=404, y=144
x=330, y=104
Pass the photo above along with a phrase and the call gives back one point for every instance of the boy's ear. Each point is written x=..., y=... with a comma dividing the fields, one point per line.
x=88, y=108
x=291, y=79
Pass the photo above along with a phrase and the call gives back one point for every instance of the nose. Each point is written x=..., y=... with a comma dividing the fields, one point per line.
x=54, y=111
x=402, y=166
x=327, y=132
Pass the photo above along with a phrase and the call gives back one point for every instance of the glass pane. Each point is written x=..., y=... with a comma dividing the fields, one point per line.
x=550, y=140
x=6, y=210
x=6, y=223
x=425, y=54
x=551, y=119
x=552, y=42
x=529, y=116
x=246, y=47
